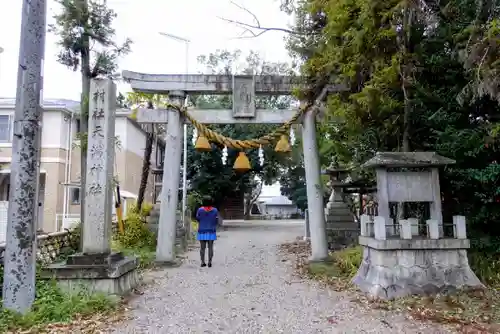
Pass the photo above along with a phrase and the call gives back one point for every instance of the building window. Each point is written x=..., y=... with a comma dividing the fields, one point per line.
x=75, y=196
x=160, y=155
x=78, y=126
x=5, y=128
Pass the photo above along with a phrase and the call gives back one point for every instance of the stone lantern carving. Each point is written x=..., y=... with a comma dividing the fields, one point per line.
x=409, y=262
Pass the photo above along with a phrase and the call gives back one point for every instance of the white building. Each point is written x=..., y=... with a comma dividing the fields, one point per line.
x=59, y=195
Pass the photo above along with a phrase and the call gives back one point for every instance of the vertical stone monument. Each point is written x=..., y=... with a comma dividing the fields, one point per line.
x=97, y=268
x=398, y=260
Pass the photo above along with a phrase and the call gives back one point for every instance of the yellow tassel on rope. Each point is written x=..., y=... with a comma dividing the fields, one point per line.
x=242, y=164
x=202, y=144
x=283, y=146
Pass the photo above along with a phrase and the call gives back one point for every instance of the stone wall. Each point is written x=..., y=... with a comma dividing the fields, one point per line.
x=53, y=245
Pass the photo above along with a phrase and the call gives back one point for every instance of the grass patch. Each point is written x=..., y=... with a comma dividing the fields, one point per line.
x=486, y=267
x=338, y=270
x=145, y=254
x=54, y=306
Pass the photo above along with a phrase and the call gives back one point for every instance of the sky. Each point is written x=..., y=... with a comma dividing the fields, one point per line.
x=196, y=20
x=141, y=21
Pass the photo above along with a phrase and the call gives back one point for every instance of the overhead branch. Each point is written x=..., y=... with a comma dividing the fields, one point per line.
x=254, y=29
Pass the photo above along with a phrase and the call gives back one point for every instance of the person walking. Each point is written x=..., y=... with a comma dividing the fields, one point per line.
x=207, y=217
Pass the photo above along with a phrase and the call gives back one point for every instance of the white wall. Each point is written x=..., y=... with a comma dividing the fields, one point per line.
x=136, y=139
x=132, y=138
x=54, y=130
x=280, y=210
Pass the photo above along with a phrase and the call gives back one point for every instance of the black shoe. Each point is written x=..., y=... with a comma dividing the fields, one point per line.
x=209, y=265
x=204, y=265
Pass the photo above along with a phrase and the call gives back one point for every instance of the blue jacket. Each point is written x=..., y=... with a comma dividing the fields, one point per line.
x=207, y=219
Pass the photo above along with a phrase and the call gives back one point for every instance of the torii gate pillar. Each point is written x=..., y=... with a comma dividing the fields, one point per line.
x=315, y=202
x=165, y=248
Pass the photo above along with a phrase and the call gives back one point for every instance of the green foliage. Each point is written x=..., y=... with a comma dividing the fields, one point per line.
x=343, y=264
x=145, y=254
x=293, y=185
x=81, y=27
x=136, y=234
x=145, y=209
x=348, y=260
x=137, y=239
x=207, y=174
x=484, y=260
x=194, y=201
x=427, y=67
x=52, y=305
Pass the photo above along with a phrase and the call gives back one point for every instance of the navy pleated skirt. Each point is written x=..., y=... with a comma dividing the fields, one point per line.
x=206, y=236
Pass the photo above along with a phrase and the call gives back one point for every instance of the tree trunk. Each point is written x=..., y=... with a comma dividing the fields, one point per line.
x=146, y=166
x=406, y=86
x=146, y=163
x=250, y=199
x=84, y=125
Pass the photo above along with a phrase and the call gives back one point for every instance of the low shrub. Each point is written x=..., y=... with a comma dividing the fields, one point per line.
x=146, y=255
x=136, y=233
x=486, y=267
x=348, y=260
x=145, y=209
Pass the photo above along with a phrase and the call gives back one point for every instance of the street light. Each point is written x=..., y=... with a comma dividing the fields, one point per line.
x=184, y=162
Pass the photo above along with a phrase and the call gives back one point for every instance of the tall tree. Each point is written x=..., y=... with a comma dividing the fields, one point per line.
x=86, y=38
x=385, y=50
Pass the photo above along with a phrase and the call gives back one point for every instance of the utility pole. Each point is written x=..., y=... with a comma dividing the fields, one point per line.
x=20, y=251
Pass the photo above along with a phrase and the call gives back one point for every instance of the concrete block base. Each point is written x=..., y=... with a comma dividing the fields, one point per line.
x=111, y=274
x=398, y=268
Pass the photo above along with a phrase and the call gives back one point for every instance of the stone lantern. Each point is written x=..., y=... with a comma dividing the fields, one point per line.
x=337, y=175
x=341, y=228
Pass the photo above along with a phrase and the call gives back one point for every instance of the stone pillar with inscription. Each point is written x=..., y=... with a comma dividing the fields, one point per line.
x=97, y=268
x=100, y=157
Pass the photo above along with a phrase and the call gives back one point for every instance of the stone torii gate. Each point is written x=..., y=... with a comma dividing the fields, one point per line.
x=244, y=88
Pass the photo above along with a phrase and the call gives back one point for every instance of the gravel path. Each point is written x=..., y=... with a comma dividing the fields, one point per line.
x=250, y=289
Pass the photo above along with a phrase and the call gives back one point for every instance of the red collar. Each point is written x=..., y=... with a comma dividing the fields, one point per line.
x=207, y=208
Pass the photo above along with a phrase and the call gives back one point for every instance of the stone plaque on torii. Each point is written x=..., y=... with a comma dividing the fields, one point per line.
x=244, y=89
x=243, y=96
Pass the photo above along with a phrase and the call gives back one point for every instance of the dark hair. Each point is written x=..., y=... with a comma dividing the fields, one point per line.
x=206, y=201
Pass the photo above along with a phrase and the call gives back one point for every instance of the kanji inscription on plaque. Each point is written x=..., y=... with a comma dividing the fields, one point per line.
x=243, y=96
